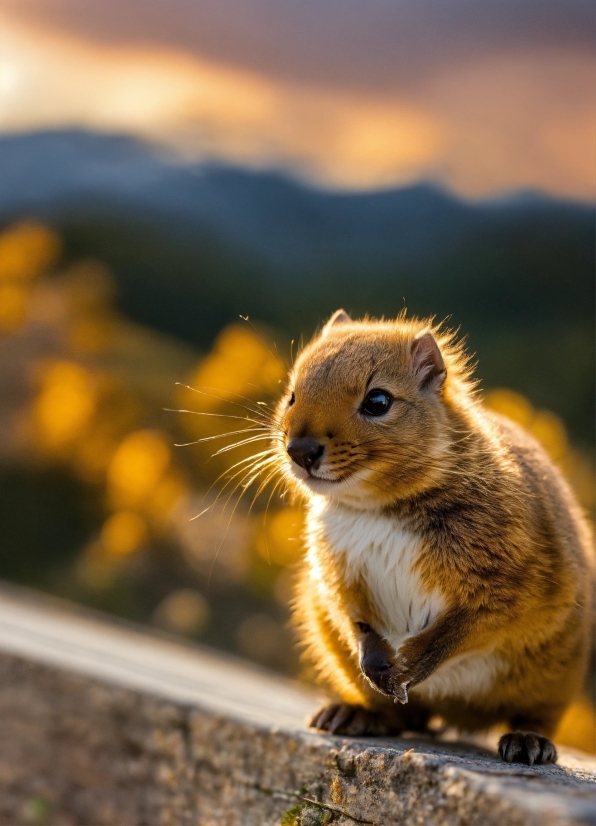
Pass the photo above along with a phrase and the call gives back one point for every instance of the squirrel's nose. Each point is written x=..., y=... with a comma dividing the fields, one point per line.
x=306, y=452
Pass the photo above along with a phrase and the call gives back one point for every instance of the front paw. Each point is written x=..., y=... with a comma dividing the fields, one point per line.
x=398, y=679
x=351, y=720
x=385, y=671
x=527, y=747
x=389, y=678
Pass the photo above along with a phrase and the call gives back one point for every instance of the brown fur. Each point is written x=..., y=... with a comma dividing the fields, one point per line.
x=502, y=538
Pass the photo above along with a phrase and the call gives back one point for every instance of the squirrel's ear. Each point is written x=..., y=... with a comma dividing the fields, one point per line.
x=427, y=362
x=338, y=317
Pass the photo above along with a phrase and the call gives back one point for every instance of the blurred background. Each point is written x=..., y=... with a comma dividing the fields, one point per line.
x=168, y=167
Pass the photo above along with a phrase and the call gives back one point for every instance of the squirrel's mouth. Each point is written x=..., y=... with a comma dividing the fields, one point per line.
x=310, y=477
x=319, y=482
x=314, y=478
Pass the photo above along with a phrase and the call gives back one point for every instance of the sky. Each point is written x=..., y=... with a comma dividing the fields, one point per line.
x=482, y=98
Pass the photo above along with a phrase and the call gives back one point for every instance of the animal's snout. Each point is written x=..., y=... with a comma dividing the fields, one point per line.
x=306, y=452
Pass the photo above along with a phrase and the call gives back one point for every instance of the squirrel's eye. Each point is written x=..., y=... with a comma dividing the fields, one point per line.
x=376, y=403
x=292, y=400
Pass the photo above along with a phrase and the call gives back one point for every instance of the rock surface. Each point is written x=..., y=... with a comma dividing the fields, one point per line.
x=101, y=723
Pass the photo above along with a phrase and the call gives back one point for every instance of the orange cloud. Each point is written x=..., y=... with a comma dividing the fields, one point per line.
x=500, y=124
x=520, y=121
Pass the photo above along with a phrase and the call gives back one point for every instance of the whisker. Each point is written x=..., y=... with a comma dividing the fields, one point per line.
x=245, y=487
x=264, y=437
x=223, y=399
x=192, y=518
x=275, y=355
x=263, y=485
x=251, y=458
x=222, y=435
x=278, y=483
x=222, y=475
x=214, y=415
x=257, y=465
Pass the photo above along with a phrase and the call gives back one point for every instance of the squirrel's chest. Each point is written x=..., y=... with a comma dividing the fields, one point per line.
x=381, y=554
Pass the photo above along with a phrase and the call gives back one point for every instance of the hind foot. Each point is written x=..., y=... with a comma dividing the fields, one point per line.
x=527, y=747
x=352, y=721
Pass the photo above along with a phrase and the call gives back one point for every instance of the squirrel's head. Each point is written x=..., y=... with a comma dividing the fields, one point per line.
x=364, y=419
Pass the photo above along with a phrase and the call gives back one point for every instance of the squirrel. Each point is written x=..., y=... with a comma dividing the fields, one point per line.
x=448, y=565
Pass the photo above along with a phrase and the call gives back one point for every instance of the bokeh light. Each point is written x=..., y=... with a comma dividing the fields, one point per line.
x=548, y=429
x=263, y=639
x=279, y=541
x=26, y=250
x=65, y=404
x=123, y=532
x=185, y=611
x=137, y=466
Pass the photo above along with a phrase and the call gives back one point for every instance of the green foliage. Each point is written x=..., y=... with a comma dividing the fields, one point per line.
x=37, y=811
x=305, y=814
x=292, y=816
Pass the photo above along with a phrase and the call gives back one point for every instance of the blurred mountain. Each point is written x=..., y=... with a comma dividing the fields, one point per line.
x=286, y=224
x=192, y=246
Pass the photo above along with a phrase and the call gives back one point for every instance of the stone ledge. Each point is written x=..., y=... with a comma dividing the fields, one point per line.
x=102, y=723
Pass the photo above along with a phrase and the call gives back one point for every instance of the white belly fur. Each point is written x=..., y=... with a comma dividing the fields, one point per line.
x=383, y=553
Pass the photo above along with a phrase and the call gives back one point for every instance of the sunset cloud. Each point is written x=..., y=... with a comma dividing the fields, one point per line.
x=367, y=44
x=513, y=110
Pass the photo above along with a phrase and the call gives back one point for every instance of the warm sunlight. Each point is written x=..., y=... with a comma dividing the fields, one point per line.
x=463, y=129
x=297, y=407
